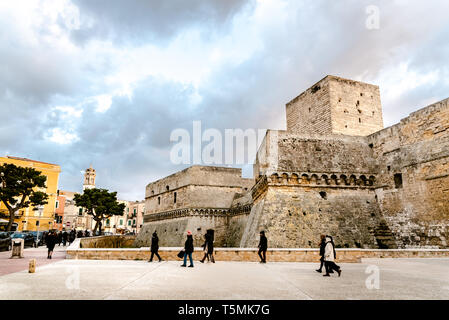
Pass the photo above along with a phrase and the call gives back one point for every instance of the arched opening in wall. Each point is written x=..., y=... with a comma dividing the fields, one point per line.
x=158, y=200
x=371, y=180
x=152, y=192
x=325, y=179
x=284, y=178
x=167, y=188
x=274, y=178
x=398, y=180
x=362, y=180
x=344, y=179
x=360, y=120
x=334, y=179
x=323, y=195
x=352, y=180
x=294, y=179
x=174, y=197
x=314, y=179
x=304, y=179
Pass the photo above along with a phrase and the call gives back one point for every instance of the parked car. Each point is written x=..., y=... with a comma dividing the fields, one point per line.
x=27, y=237
x=5, y=241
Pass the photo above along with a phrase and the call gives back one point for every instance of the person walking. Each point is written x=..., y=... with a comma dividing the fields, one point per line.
x=208, y=248
x=59, y=237
x=263, y=246
x=64, y=238
x=188, y=248
x=329, y=257
x=155, y=247
x=72, y=237
x=51, y=240
x=322, y=246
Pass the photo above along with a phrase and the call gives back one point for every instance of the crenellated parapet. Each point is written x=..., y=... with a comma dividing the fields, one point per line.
x=201, y=212
x=322, y=179
x=303, y=179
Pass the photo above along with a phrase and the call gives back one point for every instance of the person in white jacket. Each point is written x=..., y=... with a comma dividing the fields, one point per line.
x=329, y=257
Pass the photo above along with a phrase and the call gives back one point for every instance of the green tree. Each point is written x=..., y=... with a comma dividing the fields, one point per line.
x=100, y=204
x=18, y=189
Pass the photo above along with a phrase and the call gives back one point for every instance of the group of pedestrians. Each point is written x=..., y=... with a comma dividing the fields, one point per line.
x=327, y=251
x=52, y=238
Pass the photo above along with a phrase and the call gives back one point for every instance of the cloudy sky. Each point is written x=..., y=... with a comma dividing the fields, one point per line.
x=105, y=82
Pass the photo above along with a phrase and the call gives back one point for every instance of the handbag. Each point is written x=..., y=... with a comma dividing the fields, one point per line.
x=181, y=254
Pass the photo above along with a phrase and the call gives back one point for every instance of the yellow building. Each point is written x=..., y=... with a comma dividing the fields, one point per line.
x=27, y=218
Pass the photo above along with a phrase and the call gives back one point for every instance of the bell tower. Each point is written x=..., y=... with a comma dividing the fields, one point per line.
x=89, y=178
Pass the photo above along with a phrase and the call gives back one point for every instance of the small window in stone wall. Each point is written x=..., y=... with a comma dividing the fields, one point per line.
x=323, y=194
x=174, y=197
x=398, y=180
x=158, y=200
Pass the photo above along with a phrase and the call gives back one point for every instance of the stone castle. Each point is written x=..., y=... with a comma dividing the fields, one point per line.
x=335, y=170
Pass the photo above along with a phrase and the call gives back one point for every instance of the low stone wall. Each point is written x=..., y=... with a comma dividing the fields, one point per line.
x=114, y=241
x=250, y=254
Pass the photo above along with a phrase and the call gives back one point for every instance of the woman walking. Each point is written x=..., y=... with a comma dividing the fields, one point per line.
x=188, y=248
x=154, y=247
x=329, y=257
x=208, y=248
x=51, y=240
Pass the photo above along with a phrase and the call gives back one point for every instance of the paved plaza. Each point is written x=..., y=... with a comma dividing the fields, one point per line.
x=425, y=278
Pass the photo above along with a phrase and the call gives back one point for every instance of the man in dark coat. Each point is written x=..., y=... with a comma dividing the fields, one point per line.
x=322, y=245
x=208, y=248
x=188, y=248
x=51, y=240
x=64, y=238
x=59, y=237
x=263, y=246
x=155, y=247
x=72, y=236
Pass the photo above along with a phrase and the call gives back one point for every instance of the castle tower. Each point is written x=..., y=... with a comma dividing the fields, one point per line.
x=336, y=106
x=89, y=179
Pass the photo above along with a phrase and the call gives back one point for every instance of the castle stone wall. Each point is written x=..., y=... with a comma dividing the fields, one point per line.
x=336, y=106
x=416, y=206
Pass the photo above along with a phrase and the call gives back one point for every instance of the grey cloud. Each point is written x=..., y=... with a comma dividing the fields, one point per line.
x=139, y=21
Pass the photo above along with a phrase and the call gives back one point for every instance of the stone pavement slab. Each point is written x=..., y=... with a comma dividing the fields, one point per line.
x=8, y=265
x=115, y=279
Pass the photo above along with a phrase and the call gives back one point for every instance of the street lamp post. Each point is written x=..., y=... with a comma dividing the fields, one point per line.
x=40, y=209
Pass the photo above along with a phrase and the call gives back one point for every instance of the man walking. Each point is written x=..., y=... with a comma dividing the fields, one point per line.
x=188, y=250
x=322, y=246
x=64, y=237
x=208, y=248
x=154, y=247
x=263, y=246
